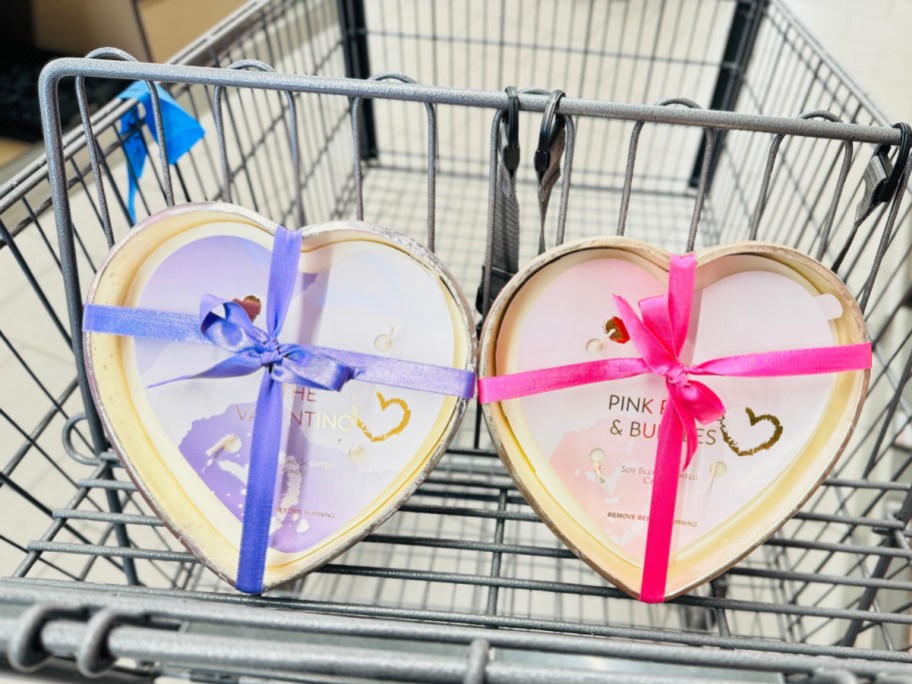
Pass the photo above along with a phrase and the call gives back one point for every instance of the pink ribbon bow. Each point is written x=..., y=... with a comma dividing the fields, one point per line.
x=659, y=337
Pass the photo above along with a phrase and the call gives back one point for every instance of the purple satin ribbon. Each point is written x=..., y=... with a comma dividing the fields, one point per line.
x=253, y=349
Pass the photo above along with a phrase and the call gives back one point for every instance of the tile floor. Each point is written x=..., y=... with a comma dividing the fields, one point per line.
x=871, y=41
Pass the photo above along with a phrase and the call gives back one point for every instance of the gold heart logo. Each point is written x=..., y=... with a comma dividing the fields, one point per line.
x=754, y=419
x=385, y=404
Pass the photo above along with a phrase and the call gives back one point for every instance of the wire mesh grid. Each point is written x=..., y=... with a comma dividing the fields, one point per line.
x=466, y=552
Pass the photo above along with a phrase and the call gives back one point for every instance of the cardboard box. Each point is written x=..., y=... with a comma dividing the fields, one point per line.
x=150, y=30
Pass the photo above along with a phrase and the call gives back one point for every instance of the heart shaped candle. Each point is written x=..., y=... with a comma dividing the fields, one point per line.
x=375, y=351
x=589, y=404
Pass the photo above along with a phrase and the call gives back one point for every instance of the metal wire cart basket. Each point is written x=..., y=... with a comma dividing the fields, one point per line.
x=464, y=584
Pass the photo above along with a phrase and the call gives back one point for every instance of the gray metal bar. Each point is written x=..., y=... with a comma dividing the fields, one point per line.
x=325, y=85
x=66, y=637
x=219, y=610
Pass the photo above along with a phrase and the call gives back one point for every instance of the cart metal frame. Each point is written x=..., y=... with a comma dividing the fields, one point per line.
x=464, y=584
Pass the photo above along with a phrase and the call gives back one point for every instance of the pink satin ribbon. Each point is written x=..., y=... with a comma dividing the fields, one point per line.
x=659, y=337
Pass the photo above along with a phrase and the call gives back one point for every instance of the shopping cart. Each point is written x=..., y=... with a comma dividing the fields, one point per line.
x=464, y=584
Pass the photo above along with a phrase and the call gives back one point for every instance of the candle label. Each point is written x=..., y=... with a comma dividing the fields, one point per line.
x=766, y=422
x=585, y=455
x=340, y=450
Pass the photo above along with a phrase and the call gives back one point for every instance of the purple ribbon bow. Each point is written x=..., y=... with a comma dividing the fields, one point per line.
x=254, y=349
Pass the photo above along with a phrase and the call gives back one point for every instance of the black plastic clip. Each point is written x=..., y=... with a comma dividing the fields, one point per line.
x=551, y=126
x=511, y=123
x=881, y=176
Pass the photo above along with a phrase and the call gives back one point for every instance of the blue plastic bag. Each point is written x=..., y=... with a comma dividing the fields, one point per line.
x=182, y=132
